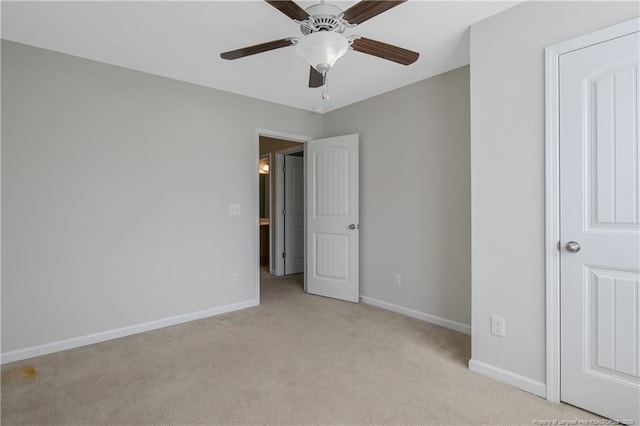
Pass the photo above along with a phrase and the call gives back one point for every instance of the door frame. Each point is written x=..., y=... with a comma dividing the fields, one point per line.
x=256, y=194
x=279, y=205
x=552, y=190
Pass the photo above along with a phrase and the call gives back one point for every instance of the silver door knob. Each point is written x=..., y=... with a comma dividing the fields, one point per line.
x=353, y=226
x=573, y=246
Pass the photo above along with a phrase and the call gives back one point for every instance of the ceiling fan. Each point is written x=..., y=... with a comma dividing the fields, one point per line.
x=323, y=42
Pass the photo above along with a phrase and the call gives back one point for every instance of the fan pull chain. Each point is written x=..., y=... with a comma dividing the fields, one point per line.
x=325, y=91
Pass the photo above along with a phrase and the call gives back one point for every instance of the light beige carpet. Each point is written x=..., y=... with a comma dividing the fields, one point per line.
x=296, y=359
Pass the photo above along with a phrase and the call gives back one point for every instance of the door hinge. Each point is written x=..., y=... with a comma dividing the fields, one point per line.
x=284, y=212
x=284, y=255
x=558, y=246
x=284, y=167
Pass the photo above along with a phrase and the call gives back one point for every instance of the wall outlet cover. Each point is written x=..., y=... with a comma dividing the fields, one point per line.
x=497, y=326
x=397, y=280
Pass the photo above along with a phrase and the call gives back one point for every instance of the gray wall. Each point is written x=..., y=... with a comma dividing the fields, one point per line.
x=116, y=188
x=507, y=173
x=415, y=194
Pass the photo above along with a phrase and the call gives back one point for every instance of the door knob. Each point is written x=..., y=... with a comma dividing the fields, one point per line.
x=354, y=226
x=573, y=246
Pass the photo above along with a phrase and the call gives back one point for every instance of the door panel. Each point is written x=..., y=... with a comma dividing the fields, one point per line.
x=599, y=206
x=294, y=214
x=613, y=150
x=332, y=256
x=613, y=337
x=332, y=218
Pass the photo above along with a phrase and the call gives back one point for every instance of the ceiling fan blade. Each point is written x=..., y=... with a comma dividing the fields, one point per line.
x=385, y=51
x=258, y=48
x=315, y=78
x=367, y=9
x=289, y=8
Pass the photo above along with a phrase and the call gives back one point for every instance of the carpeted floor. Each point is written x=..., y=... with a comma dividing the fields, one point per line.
x=296, y=359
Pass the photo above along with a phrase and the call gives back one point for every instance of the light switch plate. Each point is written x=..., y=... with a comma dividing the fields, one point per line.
x=234, y=209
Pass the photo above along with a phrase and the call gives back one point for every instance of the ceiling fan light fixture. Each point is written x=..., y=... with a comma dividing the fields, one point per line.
x=322, y=49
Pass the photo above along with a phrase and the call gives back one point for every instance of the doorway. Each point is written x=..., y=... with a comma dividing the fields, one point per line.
x=330, y=233
x=271, y=148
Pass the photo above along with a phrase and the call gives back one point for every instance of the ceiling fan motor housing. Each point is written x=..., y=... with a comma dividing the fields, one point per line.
x=323, y=17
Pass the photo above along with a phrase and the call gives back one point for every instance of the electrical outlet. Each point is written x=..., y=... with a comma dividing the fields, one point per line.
x=234, y=209
x=234, y=279
x=397, y=279
x=497, y=326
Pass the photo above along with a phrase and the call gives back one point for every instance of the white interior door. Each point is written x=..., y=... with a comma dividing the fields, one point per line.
x=333, y=217
x=600, y=228
x=293, y=214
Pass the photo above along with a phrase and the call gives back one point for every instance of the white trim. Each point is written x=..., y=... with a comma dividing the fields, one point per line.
x=453, y=325
x=282, y=135
x=552, y=195
x=90, y=339
x=552, y=227
x=508, y=377
x=278, y=222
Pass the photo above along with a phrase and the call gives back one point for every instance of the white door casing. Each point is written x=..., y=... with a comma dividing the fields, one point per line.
x=599, y=209
x=293, y=214
x=333, y=217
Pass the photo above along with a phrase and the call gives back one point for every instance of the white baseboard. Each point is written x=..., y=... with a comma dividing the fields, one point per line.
x=508, y=377
x=90, y=339
x=453, y=325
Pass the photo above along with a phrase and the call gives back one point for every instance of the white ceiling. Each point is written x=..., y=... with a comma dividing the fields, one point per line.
x=183, y=40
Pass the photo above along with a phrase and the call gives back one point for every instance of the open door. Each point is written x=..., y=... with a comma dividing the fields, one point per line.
x=333, y=218
x=293, y=214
